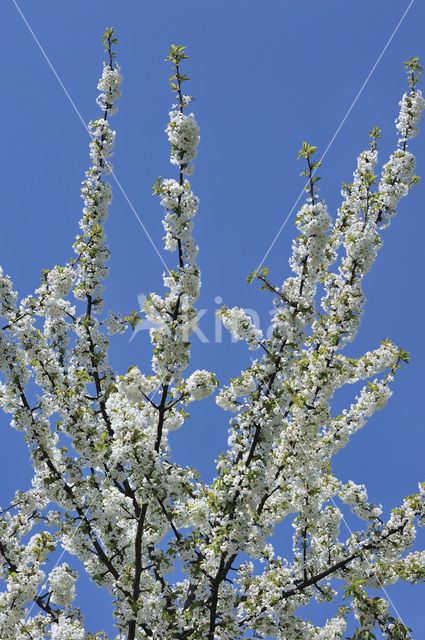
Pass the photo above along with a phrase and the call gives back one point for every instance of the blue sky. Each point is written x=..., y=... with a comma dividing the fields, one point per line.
x=266, y=75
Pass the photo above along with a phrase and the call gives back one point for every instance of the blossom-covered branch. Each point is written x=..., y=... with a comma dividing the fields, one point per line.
x=106, y=489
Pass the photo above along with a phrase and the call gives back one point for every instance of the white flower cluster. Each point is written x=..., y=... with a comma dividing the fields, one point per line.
x=357, y=231
x=395, y=180
x=181, y=206
x=175, y=316
x=109, y=84
x=114, y=323
x=313, y=221
x=333, y=629
x=8, y=297
x=62, y=582
x=241, y=326
x=200, y=384
x=183, y=134
x=60, y=281
x=243, y=386
x=373, y=397
x=67, y=629
x=90, y=246
x=102, y=144
x=356, y=495
x=412, y=105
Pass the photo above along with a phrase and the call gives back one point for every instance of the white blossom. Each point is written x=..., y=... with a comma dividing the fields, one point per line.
x=62, y=582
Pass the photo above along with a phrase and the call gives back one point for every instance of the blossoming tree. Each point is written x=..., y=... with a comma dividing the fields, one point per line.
x=105, y=487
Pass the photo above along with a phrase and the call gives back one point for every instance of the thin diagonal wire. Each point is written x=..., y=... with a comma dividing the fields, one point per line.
x=341, y=124
x=118, y=183
x=348, y=527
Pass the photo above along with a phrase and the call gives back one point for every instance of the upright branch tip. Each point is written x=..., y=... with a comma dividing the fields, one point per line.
x=108, y=40
x=306, y=152
x=374, y=135
x=176, y=54
x=413, y=67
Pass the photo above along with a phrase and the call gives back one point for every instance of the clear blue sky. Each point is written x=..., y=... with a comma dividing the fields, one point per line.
x=266, y=75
